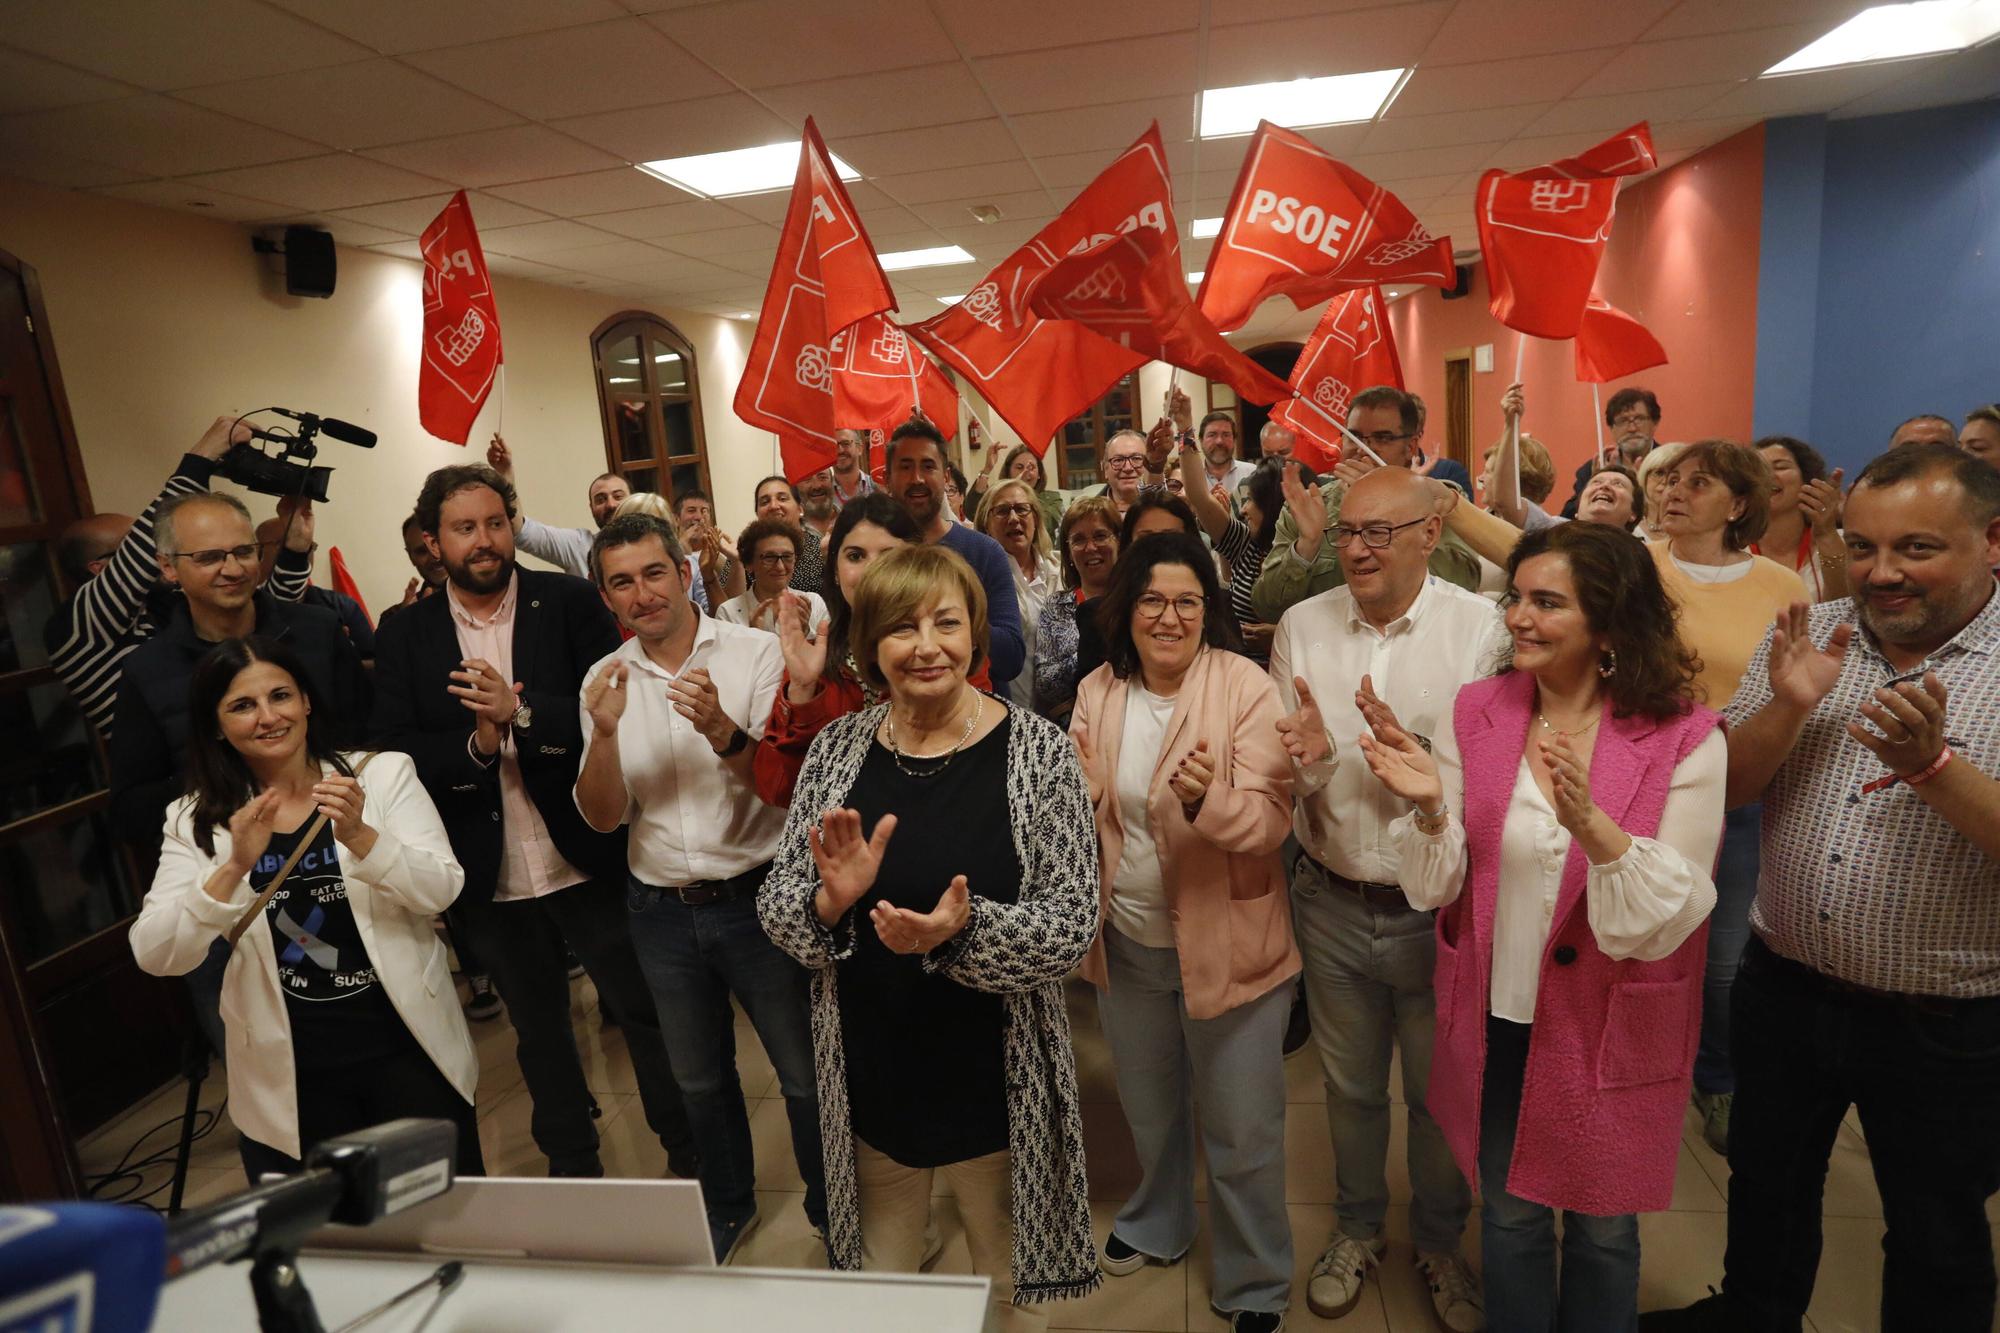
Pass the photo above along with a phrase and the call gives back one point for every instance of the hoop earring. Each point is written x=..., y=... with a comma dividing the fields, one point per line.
x=1607, y=666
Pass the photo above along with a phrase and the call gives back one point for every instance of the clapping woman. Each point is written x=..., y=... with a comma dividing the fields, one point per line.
x=1565, y=831
x=323, y=868
x=937, y=876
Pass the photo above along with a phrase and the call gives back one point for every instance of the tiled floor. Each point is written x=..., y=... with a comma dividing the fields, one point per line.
x=1683, y=1246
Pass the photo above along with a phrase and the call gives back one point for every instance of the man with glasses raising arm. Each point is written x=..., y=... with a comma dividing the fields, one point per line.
x=1303, y=561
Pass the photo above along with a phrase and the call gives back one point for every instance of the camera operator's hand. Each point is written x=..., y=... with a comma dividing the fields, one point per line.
x=500, y=458
x=297, y=512
x=220, y=437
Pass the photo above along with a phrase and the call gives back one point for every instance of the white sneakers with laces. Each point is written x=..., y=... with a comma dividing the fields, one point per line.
x=1341, y=1273
x=1456, y=1298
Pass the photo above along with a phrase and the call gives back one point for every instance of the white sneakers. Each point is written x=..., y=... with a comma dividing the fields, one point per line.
x=1456, y=1299
x=1341, y=1275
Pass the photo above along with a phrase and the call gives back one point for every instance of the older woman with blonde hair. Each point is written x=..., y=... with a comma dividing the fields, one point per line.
x=1652, y=472
x=1011, y=515
x=938, y=878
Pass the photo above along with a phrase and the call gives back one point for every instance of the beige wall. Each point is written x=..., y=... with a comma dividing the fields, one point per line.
x=164, y=321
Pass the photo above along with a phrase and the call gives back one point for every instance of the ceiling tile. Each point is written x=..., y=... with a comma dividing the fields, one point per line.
x=1435, y=89
x=196, y=201
x=414, y=214
x=1066, y=173
x=767, y=43
x=668, y=219
x=1117, y=126
x=1504, y=29
x=1092, y=74
x=576, y=71
x=592, y=192
x=610, y=258
x=703, y=125
x=1259, y=11
x=29, y=83
x=339, y=180
x=862, y=104
x=960, y=182
x=1698, y=134
x=1963, y=77
x=1694, y=18
x=528, y=268
x=1608, y=115
x=153, y=136
x=982, y=28
x=173, y=43
x=1725, y=57
x=538, y=240
x=899, y=152
x=492, y=157
x=1523, y=153
x=958, y=212
x=400, y=249
x=1302, y=48
x=352, y=106
x=1340, y=140
x=1797, y=94
x=345, y=231
x=772, y=205
x=395, y=26
x=1395, y=134
x=1425, y=161
x=756, y=239
x=46, y=165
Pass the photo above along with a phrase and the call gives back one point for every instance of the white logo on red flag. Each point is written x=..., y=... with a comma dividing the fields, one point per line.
x=461, y=344
x=1349, y=351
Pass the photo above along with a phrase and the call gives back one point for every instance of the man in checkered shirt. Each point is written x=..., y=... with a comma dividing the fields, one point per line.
x=1873, y=976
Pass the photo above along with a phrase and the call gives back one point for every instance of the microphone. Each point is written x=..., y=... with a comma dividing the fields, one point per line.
x=87, y=1267
x=333, y=427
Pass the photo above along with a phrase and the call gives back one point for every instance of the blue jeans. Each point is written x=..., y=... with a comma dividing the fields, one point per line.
x=1728, y=932
x=694, y=959
x=1597, y=1290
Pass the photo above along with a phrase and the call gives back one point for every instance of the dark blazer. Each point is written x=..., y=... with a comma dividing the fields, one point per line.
x=561, y=630
x=150, y=729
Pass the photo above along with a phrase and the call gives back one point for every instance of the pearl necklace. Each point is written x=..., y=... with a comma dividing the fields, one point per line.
x=978, y=708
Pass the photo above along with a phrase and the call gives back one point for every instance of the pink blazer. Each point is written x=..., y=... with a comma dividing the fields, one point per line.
x=1613, y=1047
x=1226, y=888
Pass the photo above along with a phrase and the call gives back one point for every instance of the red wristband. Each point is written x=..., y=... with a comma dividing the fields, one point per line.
x=1930, y=770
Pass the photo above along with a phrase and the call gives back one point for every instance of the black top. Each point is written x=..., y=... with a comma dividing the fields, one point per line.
x=341, y=1016
x=926, y=1079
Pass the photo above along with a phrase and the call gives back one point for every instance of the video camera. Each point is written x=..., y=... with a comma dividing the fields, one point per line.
x=290, y=472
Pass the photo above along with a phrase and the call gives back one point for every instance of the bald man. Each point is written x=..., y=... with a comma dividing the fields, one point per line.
x=112, y=563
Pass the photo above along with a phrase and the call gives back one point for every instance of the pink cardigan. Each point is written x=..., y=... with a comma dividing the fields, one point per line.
x=1613, y=1047
x=1225, y=887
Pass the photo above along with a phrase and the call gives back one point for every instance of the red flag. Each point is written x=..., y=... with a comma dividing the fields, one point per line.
x=1112, y=263
x=344, y=581
x=1037, y=373
x=1352, y=349
x=1543, y=232
x=878, y=374
x=1303, y=225
x=825, y=278
x=461, y=325
x=1610, y=344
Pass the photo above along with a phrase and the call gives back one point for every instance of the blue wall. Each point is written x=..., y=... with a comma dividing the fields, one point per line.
x=1879, y=282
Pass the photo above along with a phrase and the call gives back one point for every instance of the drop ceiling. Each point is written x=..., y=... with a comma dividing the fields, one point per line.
x=363, y=116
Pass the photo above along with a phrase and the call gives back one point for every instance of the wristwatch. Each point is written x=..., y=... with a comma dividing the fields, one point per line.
x=737, y=740
x=524, y=717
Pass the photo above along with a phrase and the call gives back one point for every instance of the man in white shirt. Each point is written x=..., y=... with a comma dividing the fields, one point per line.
x=1218, y=453
x=670, y=722
x=1368, y=954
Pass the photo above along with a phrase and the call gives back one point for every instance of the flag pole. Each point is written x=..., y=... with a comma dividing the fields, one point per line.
x=1360, y=443
x=1514, y=424
x=500, y=405
x=1597, y=411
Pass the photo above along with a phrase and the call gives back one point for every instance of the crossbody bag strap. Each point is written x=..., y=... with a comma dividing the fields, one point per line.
x=263, y=900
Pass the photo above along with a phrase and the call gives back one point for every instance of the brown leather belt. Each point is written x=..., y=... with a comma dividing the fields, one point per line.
x=1388, y=897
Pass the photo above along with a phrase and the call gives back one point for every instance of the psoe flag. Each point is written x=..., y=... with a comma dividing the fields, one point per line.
x=1610, y=344
x=1302, y=224
x=461, y=349
x=825, y=278
x=1351, y=349
x=879, y=374
x=1543, y=232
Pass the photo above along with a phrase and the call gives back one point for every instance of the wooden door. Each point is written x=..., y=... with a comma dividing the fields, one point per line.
x=1458, y=410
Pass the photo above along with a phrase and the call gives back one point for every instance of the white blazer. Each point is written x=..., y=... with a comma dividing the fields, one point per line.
x=407, y=878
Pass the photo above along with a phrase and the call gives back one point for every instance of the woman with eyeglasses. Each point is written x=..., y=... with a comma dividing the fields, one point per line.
x=1087, y=543
x=1010, y=515
x=1194, y=960
x=770, y=548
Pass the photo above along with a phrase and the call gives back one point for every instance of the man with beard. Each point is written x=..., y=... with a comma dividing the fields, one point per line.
x=916, y=476
x=1217, y=438
x=479, y=686
x=1633, y=416
x=429, y=580
x=850, y=465
x=1870, y=729
x=818, y=511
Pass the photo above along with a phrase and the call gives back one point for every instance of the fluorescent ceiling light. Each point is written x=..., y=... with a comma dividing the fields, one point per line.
x=1196, y=276
x=738, y=171
x=1897, y=32
x=1203, y=228
x=1334, y=100
x=936, y=257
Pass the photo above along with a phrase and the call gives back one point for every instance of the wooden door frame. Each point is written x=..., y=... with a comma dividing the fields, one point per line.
x=1462, y=424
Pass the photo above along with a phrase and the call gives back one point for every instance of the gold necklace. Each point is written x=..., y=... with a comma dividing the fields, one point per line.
x=1547, y=726
x=978, y=708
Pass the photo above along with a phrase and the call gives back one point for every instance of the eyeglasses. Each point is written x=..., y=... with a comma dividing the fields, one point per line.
x=777, y=559
x=209, y=559
x=1079, y=541
x=1013, y=511
x=1374, y=536
x=1130, y=463
x=1633, y=419
x=1382, y=439
x=1187, y=606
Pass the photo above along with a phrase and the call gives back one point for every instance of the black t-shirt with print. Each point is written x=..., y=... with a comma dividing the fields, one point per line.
x=341, y=1016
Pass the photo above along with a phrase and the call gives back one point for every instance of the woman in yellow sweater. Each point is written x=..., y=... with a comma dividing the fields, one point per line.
x=1715, y=503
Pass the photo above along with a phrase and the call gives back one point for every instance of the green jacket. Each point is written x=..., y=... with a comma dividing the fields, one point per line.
x=1286, y=580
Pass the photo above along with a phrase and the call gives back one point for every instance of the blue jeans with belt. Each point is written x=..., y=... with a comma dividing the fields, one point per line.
x=695, y=958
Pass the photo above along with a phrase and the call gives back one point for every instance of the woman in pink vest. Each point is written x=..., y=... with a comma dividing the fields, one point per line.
x=1566, y=829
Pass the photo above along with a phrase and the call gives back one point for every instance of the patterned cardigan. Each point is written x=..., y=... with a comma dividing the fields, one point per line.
x=1022, y=951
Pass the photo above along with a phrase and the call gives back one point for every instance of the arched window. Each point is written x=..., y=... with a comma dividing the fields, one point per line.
x=651, y=404
x=1080, y=443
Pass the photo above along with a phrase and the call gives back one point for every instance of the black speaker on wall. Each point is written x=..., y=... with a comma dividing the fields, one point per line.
x=309, y=262
x=1461, y=284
